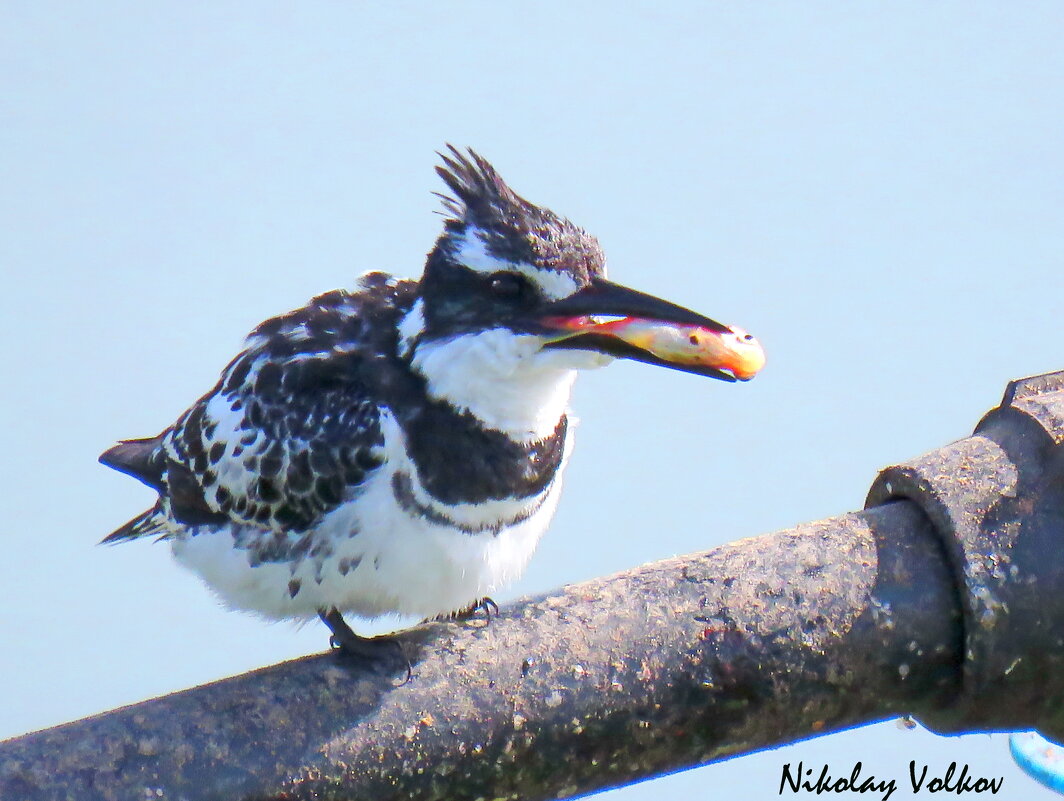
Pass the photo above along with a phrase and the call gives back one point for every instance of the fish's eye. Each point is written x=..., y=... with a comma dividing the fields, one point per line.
x=748, y=338
x=508, y=286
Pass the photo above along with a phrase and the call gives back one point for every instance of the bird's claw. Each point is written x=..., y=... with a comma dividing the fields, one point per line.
x=486, y=604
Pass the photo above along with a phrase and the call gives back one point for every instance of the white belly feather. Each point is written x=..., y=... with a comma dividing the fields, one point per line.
x=394, y=562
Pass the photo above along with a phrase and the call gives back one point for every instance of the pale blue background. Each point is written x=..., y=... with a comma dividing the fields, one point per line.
x=875, y=189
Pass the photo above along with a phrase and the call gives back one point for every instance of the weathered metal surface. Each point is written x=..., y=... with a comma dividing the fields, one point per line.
x=997, y=502
x=673, y=664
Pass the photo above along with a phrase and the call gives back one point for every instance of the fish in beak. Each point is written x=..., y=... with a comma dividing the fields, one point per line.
x=649, y=329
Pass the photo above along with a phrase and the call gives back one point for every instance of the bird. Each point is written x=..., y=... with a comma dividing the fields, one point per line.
x=398, y=447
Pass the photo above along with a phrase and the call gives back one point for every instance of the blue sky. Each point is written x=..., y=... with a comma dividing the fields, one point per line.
x=875, y=190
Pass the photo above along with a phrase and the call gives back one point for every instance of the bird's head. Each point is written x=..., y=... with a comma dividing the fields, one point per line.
x=511, y=289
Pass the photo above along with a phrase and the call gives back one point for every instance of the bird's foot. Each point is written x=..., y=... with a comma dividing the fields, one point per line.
x=344, y=640
x=486, y=604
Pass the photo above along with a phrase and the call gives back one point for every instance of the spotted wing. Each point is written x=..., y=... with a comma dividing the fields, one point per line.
x=290, y=432
x=281, y=452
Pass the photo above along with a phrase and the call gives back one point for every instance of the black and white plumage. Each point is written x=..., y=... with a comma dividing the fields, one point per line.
x=397, y=448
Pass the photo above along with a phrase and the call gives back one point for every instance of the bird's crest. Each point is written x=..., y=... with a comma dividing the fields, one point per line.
x=512, y=227
x=481, y=196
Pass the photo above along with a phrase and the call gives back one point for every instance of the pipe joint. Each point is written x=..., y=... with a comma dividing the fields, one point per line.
x=996, y=501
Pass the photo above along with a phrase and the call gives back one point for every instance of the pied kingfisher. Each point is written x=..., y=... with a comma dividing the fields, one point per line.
x=398, y=447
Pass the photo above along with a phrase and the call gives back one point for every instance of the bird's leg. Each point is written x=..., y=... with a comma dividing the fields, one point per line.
x=345, y=640
x=343, y=637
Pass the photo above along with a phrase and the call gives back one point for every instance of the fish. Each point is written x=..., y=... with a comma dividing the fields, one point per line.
x=732, y=351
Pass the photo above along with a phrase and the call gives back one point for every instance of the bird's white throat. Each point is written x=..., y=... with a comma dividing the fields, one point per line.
x=506, y=380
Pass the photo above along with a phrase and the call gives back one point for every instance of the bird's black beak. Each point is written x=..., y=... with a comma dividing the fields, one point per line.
x=605, y=298
x=648, y=329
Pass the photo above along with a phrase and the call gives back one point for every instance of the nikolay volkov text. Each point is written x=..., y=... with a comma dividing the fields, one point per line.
x=800, y=779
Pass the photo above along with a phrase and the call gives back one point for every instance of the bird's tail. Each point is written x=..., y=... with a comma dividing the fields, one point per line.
x=148, y=524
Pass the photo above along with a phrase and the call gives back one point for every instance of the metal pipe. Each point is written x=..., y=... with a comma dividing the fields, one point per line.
x=816, y=628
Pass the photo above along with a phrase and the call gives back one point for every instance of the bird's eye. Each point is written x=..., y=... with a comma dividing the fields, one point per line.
x=508, y=286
